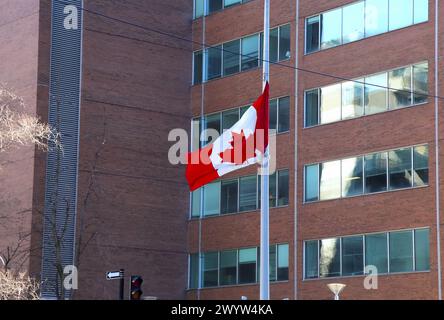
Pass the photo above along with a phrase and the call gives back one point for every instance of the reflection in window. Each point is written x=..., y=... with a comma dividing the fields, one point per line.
x=214, y=62
x=311, y=259
x=400, y=168
x=376, y=172
x=352, y=256
x=401, y=251
x=311, y=108
x=422, y=250
x=274, y=45
x=312, y=34
x=401, y=81
x=228, y=268
x=284, y=42
x=352, y=99
x=376, y=93
x=229, y=196
x=312, y=183
x=400, y=14
x=198, y=8
x=283, y=182
x=330, y=182
x=421, y=166
x=282, y=262
x=250, y=52
x=353, y=24
x=420, y=82
x=331, y=103
x=247, y=265
x=329, y=258
x=229, y=118
x=228, y=3
x=212, y=128
x=376, y=17
x=210, y=269
x=421, y=11
x=231, y=55
x=376, y=251
x=331, y=28
x=352, y=180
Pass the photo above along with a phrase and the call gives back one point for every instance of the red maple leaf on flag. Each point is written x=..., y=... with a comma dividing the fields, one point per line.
x=241, y=150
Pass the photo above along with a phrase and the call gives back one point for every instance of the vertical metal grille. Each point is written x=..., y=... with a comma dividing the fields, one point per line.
x=62, y=166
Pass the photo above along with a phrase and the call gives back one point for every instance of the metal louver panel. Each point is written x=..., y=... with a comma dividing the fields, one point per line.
x=62, y=166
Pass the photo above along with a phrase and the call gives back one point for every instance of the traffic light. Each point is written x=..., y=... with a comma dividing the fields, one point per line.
x=136, y=288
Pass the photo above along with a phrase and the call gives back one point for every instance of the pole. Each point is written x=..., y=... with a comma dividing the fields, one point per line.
x=264, y=250
x=122, y=284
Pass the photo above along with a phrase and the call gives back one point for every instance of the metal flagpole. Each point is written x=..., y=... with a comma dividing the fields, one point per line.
x=264, y=249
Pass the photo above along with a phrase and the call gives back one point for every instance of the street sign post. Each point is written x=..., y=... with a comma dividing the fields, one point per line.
x=118, y=275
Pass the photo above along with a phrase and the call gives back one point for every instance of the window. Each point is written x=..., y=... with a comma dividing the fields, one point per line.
x=247, y=193
x=273, y=114
x=229, y=118
x=229, y=196
x=214, y=5
x=212, y=128
x=198, y=8
x=376, y=172
x=312, y=183
x=273, y=190
x=194, y=271
x=311, y=259
x=420, y=166
x=274, y=45
x=329, y=258
x=311, y=108
x=400, y=14
x=401, y=251
x=331, y=103
x=250, y=52
x=376, y=17
x=312, y=35
x=284, y=42
x=247, y=265
x=211, y=199
x=353, y=22
x=197, y=72
x=231, y=54
x=376, y=93
x=210, y=269
x=352, y=99
x=273, y=263
x=283, y=188
x=401, y=81
x=228, y=3
x=376, y=251
x=331, y=29
x=282, y=262
x=421, y=11
x=196, y=130
x=228, y=268
x=330, y=180
x=420, y=82
x=195, y=203
x=352, y=177
x=352, y=256
x=422, y=250
x=214, y=62
x=284, y=115
x=400, y=168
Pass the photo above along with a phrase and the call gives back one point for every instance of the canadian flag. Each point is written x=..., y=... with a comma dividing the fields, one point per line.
x=244, y=144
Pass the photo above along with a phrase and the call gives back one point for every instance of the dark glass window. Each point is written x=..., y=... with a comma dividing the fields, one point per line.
x=311, y=259
x=376, y=251
x=283, y=183
x=329, y=258
x=284, y=42
x=400, y=168
x=247, y=265
x=274, y=45
x=212, y=128
x=311, y=108
x=284, y=115
x=273, y=262
x=214, y=62
x=210, y=269
x=229, y=118
x=198, y=63
x=376, y=172
x=352, y=256
x=312, y=34
x=401, y=251
x=229, y=190
x=228, y=267
x=247, y=193
x=214, y=5
x=231, y=54
x=194, y=271
x=273, y=116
